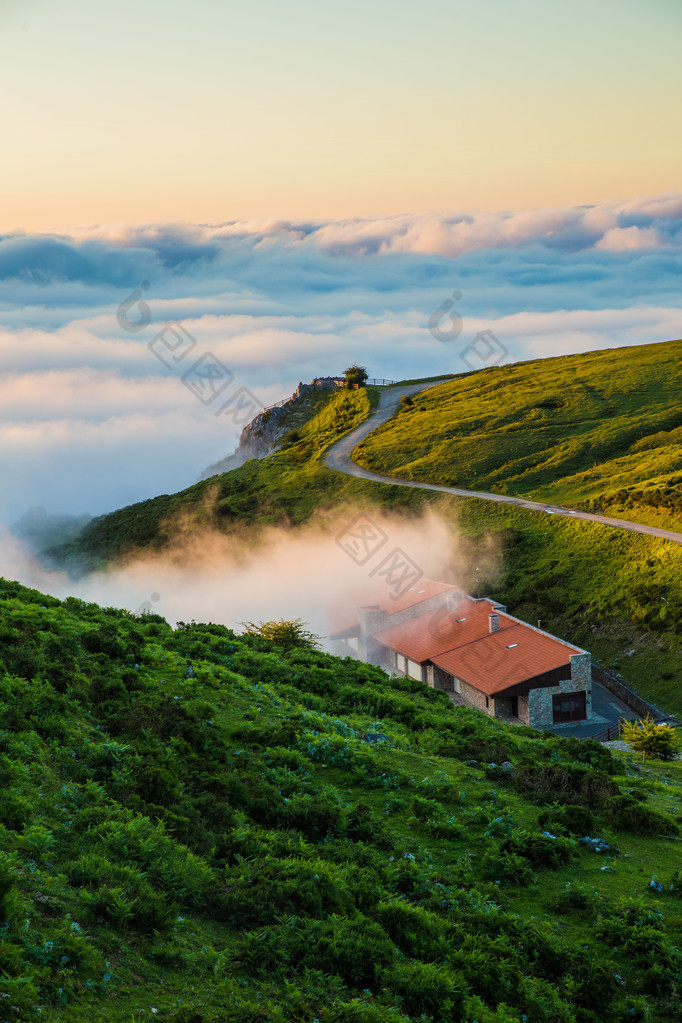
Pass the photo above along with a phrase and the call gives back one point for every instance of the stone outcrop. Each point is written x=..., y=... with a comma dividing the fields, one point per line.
x=265, y=431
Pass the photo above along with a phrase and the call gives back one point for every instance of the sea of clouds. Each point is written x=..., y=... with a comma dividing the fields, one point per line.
x=92, y=417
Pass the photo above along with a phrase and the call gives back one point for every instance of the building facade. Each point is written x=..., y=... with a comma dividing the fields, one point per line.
x=474, y=650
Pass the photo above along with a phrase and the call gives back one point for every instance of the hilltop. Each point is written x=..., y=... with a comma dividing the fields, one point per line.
x=219, y=829
x=600, y=431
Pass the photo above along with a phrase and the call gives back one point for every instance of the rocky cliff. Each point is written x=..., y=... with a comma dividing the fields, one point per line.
x=265, y=431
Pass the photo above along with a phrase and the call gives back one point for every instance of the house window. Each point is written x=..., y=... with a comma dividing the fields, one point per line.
x=568, y=707
x=415, y=671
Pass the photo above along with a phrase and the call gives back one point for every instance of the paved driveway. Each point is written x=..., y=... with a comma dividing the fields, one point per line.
x=607, y=710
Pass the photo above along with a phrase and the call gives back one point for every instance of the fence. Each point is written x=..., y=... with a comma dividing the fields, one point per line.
x=278, y=404
x=627, y=695
x=612, y=732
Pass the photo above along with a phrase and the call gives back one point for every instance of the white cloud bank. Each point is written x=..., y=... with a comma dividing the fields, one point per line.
x=91, y=419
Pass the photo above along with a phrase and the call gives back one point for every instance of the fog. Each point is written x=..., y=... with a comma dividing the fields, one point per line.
x=205, y=575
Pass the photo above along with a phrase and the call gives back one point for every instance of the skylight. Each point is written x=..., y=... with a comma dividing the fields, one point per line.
x=510, y=646
x=461, y=619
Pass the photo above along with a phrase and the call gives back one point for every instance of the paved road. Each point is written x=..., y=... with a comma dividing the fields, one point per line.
x=339, y=457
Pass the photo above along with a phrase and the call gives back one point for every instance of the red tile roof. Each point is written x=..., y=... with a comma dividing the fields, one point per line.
x=489, y=661
x=423, y=637
x=343, y=613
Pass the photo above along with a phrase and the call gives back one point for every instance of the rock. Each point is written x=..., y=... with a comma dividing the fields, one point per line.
x=472, y=763
x=598, y=845
x=506, y=765
x=263, y=434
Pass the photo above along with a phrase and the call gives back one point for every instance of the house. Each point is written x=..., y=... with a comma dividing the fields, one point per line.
x=471, y=648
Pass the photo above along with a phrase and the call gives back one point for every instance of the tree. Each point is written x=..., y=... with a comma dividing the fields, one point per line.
x=651, y=740
x=356, y=376
x=284, y=633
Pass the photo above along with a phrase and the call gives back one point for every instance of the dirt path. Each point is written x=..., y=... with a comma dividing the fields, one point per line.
x=339, y=457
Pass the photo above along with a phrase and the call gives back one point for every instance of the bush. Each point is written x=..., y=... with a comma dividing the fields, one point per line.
x=658, y=742
x=539, y=850
x=507, y=868
x=630, y=814
x=353, y=948
x=428, y=991
x=563, y=783
x=574, y=898
x=567, y=820
x=256, y=893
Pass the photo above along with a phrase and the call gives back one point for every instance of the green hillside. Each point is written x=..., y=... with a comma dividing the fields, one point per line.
x=283, y=489
x=600, y=431
x=202, y=827
x=617, y=594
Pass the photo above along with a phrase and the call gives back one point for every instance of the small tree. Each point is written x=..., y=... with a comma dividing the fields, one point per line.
x=283, y=632
x=651, y=740
x=356, y=376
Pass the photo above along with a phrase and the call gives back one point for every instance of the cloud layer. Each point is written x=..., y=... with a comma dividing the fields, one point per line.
x=92, y=417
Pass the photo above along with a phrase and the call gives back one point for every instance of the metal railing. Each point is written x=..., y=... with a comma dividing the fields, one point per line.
x=278, y=404
x=376, y=382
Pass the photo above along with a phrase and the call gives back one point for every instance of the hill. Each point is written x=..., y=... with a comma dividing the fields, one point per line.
x=600, y=431
x=617, y=594
x=212, y=828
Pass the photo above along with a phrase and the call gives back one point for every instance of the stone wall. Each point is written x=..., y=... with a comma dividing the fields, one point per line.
x=581, y=670
x=523, y=708
x=473, y=698
x=627, y=695
x=540, y=714
x=439, y=679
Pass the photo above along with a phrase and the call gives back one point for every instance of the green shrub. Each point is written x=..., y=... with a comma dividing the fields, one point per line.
x=14, y=811
x=507, y=868
x=428, y=990
x=563, y=783
x=574, y=897
x=629, y=814
x=540, y=850
x=569, y=819
x=256, y=893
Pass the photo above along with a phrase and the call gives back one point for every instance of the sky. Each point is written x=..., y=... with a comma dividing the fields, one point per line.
x=294, y=185
x=205, y=111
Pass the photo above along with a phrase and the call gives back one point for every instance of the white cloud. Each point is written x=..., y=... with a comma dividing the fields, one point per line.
x=90, y=419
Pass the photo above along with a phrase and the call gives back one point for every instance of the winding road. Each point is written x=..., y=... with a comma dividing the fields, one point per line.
x=339, y=457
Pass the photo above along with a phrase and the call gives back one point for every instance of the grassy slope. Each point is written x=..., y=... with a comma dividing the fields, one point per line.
x=198, y=823
x=610, y=591
x=599, y=431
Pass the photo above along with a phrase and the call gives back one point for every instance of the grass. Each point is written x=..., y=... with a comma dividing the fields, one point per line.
x=207, y=825
x=600, y=431
x=605, y=589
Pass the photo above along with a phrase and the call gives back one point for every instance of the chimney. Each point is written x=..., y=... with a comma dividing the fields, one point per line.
x=494, y=623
